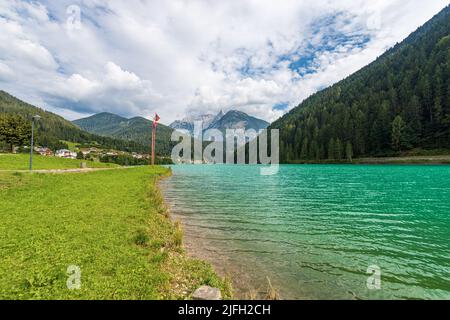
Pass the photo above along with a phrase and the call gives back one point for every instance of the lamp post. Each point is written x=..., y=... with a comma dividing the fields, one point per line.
x=33, y=120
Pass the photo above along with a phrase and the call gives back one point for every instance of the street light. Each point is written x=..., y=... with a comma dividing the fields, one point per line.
x=33, y=120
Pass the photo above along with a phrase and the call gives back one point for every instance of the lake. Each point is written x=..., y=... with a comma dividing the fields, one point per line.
x=314, y=230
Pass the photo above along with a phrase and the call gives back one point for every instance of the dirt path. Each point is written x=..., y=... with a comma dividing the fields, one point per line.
x=78, y=170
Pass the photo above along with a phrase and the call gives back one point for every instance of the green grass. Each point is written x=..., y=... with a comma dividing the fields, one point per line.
x=112, y=224
x=72, y=145
x=21, y=162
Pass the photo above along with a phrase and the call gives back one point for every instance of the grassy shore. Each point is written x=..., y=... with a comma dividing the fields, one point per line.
x=406, y=160
x=112, y=224
x=21, y=162
x=432, y=160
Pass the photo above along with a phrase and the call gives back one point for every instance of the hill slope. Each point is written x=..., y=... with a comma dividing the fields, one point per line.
x=136, y=129
x=399, y=102
x=51, y=129
x=103, y=123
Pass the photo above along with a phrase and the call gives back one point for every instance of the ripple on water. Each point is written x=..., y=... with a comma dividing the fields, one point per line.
x=314, y=230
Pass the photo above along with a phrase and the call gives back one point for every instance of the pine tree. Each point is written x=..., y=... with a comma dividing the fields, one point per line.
x=349, y=151
x=360, y=129
x=331, y=148
x=338, y=149
x=14, y=130
x=398, y=133
x=290, y=154
x=447, y=104
x=437, y=111
x=381, y=128
x=314, y=151
x=426, y=94
x=298, y=137
x=413, y=118
x=321, y=153
x=437, y=107
x=304, y=152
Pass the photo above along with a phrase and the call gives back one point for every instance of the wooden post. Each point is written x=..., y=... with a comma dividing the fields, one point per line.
x=154, y=126
x=153, y=144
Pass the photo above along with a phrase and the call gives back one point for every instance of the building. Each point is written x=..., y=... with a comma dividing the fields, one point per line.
x=85, y=152
x=44, y=151
x=138, y=156
x=112, y=154
x=63, y=153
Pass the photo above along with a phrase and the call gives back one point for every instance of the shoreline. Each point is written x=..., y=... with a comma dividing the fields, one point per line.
x=198, y=248
x=228, y=293
x=244, y=287
x=405, y=160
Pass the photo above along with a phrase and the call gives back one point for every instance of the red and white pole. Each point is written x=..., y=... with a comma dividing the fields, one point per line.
x=153, y=143
x=155, y=125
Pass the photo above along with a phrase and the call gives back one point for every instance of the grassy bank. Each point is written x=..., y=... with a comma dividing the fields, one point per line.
x=406, y=160
x=21, y=162
x=432, y=159
x=111, y=224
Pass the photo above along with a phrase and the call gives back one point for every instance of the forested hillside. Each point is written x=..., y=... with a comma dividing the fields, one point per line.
x=51, y=129
x=136, y=129
x=399, y=102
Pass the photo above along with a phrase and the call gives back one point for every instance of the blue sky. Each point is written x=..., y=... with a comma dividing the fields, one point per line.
x=182, y=57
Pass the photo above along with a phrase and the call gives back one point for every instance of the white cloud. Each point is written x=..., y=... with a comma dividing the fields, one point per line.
x=114, y=90
x=17, y=45
x=6, y=73
x=178, y=57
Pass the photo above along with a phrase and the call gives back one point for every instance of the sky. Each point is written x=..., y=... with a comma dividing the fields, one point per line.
x=187, y=57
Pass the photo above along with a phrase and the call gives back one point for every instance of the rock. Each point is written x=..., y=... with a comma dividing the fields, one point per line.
x=207, y=293
x=83, y=165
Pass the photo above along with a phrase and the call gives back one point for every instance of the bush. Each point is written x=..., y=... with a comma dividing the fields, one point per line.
x=141, y=238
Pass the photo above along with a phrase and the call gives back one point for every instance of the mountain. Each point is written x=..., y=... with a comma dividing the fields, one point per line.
x=239, y=120
x=231, y=120
x=188, y=123
x=52, y=129
x=103, y=123
x=399, y=102
x=136, y=129
x=216, y=119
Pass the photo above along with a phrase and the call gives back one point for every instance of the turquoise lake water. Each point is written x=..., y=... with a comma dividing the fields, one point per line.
x=314, y=230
